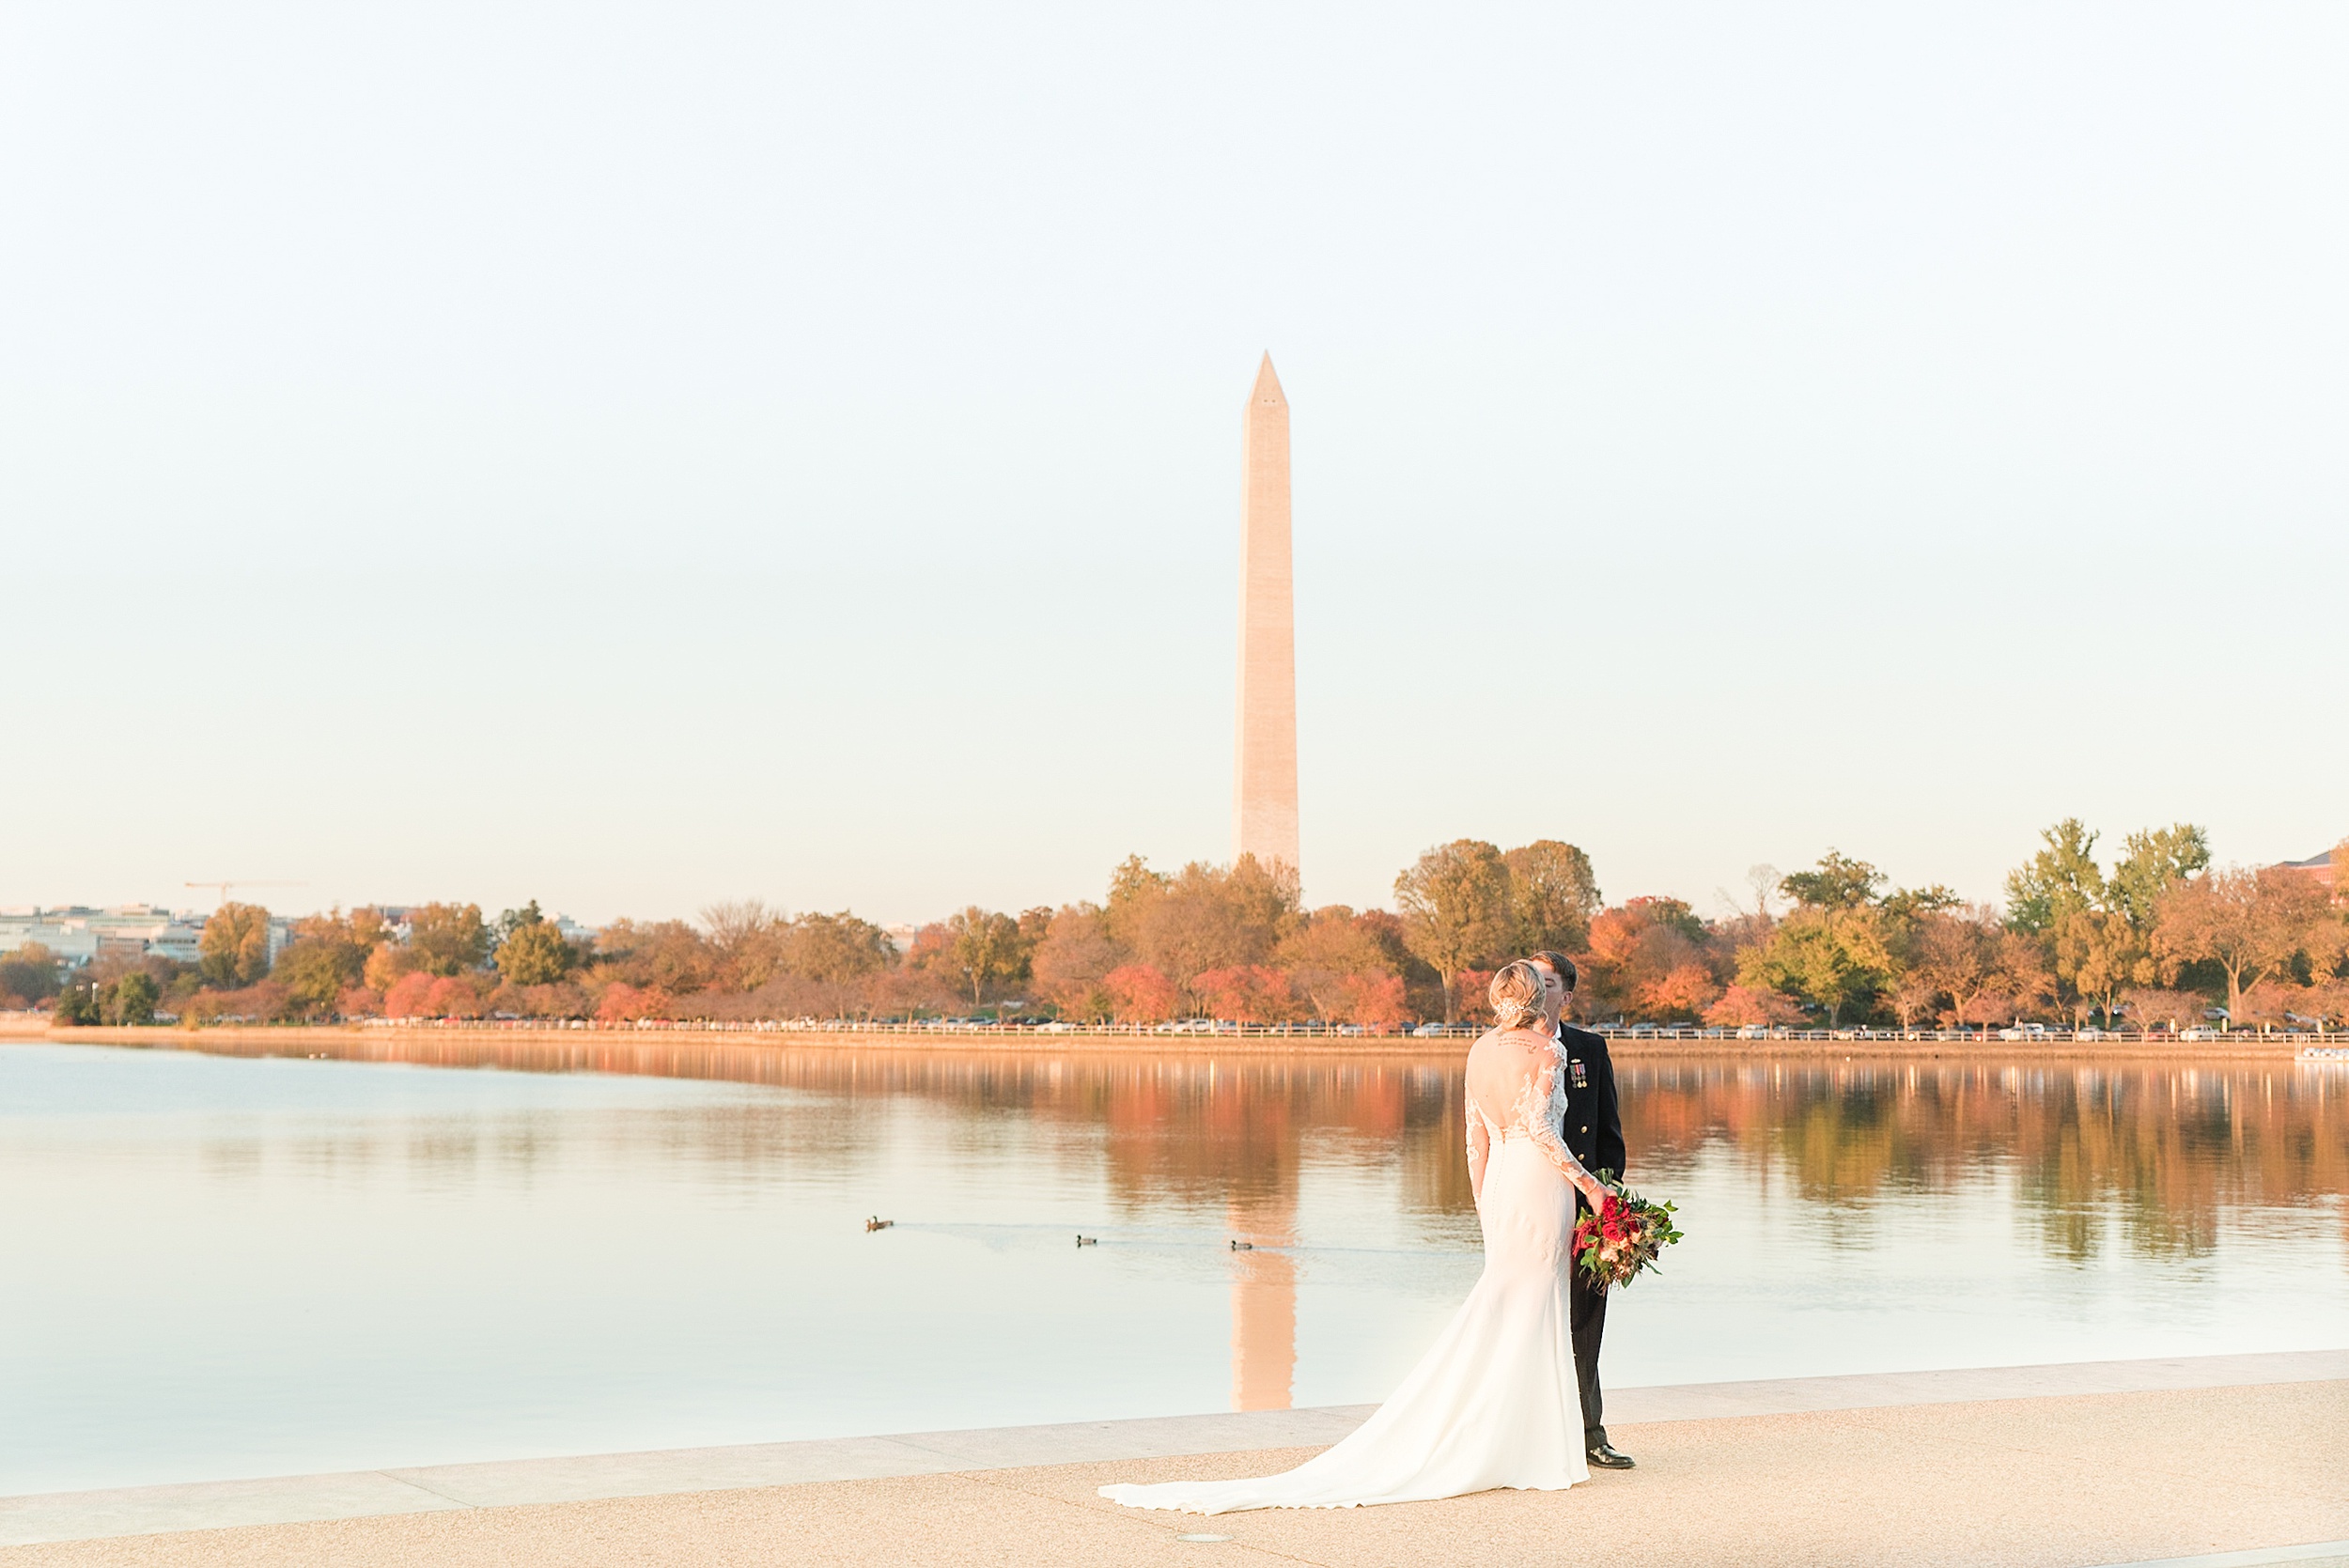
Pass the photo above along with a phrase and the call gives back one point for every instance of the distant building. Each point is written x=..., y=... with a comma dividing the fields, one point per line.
x=2317, y=866
x=901, y=937
x=78, y=933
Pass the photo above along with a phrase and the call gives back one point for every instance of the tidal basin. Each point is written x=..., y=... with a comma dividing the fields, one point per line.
x=225, y=1266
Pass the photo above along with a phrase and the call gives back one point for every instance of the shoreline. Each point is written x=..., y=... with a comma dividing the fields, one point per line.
x=2241, y=1047
x=2103, y=1400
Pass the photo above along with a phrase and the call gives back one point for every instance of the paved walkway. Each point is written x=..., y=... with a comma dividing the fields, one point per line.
x=2214, y=1461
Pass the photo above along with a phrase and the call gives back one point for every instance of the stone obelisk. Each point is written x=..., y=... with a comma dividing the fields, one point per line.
x=1264, y=764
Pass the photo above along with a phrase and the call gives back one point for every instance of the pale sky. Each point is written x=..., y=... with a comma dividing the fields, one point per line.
x=637, y=454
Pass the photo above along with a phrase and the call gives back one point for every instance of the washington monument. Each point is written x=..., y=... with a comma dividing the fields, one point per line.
x=1264, y=763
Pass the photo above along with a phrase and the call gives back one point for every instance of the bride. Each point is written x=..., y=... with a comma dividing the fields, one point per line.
x=1494, y=1402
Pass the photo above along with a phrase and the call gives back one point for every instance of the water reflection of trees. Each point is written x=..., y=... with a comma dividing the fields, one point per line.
x=2159, y=1151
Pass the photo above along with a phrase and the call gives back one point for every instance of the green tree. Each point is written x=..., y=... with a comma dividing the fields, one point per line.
x=1910, y=904
x=1830, y=957
x=512, y=920
x=2097, y=954
x=1552, y=895
x=535, y=955
x=316, y=973
x=233, y=947
x=134, y=999
x=2061, y=878
x=987, y=948
x=1838, y=883
x=448, y=939
x=328, y=955
x=1456, y=907
x=2155, y=861
x=79, y=1004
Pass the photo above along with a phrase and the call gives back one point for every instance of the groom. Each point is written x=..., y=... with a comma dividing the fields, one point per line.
x=1595, y=1132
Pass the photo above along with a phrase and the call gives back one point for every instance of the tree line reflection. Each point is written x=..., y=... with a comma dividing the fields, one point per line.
x=2162, y=1149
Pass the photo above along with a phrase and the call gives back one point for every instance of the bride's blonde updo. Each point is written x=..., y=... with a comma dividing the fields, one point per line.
x=1516, y=995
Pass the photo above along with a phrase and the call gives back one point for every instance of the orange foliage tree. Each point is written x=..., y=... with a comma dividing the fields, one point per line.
x=1138, y=993
x=2250, y=924
x=1247, y=993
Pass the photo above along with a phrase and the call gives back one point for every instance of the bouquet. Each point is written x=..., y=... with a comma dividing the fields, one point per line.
x=1612, y=1246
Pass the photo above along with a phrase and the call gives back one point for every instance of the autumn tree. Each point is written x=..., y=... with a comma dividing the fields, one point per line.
x=448, y=939
x=1338, y=965
x=836, y=953
x=1552, y=895
x=2250, y=924
x=1134, y=891
x=1647, y=959
x=1205, y=917
x=1955, y=954
x=29, y=973
x=1248, y=993
x=667, y=956
x=1751, y=1007
x=1455, y=901
x=2153, y=1007
x=1140, y=994
x=746, y=942
x=233, y=947
x=1071, y=964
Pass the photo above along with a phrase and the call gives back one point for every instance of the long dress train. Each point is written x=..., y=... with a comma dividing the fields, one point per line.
x=1495, y=1401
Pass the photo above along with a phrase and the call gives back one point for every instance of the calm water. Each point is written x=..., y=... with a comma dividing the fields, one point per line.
x=218, y=1267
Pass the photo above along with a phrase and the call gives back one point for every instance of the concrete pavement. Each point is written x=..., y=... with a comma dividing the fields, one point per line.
x=2067, y=1467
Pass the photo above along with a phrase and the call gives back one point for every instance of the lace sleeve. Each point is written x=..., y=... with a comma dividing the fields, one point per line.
x=1480, y=1147
x=1538, y=1110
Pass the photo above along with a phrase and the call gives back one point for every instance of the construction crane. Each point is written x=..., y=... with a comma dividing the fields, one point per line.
x=227, y=883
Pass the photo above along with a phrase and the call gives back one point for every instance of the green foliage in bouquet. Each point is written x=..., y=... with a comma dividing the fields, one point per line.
x=1616, y=1245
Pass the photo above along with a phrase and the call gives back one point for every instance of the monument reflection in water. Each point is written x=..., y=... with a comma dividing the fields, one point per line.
x=244, y=1268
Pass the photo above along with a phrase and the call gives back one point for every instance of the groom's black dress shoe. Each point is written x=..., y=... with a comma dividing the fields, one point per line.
x=1603, y=1456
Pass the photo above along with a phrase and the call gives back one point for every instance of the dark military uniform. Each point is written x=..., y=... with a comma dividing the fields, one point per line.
x=1593, y=1131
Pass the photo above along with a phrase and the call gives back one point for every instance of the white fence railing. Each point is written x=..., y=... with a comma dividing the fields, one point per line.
x=1195, y=1028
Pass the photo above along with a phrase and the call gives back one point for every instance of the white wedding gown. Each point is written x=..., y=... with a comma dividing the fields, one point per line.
x=1495, y=1401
